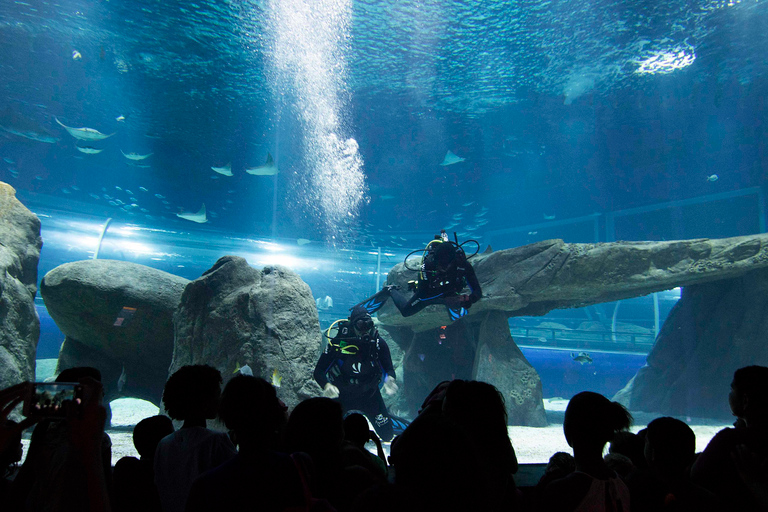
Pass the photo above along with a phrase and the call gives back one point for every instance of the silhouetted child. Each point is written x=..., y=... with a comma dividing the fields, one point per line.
x=591, y=420
x=356, y=435
x=316, y=428
x=670, y=446
x=134, y=479
x=630, y=445
x=191, y=395
x=258, y=477
x=715, y=468
x=560, y=465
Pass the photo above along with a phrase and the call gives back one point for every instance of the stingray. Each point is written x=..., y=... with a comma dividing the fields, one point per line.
x=84, y=133
x=268, y=169
x=451, y=159
x=13, y=123
x=226, y=170
x=89, y=150
x=198, y=217
x=135, y=156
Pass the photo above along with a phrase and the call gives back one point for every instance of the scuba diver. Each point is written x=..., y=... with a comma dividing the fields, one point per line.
x=443, y=274
x=351, y=368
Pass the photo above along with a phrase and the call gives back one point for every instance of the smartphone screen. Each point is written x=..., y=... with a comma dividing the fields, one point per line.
x=53, y=399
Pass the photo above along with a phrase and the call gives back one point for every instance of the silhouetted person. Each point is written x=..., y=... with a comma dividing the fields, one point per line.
x=356, y=435
x=259, y=477
x=591, y=420
x=436, y=467
x=315, y=428
x=10, y=454
x=630, y=445
x=55, y=475
x=715, y=468
x=478, y=408
x=670, y=446
x=134, y=479
x=191, y=395
x=560, y=465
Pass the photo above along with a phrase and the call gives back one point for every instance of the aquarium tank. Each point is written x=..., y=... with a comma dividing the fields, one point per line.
x=335, y=138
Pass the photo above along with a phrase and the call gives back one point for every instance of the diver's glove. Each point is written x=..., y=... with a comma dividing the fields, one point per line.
x=330, y=391
x=458, y=301
x=390, y=386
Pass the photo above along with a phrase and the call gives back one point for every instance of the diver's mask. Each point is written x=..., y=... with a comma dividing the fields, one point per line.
x=364, y=325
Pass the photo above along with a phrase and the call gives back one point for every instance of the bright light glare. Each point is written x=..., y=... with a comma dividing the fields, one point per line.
x=665, y=62
x=73, y=240
x=285, y=260
x=138, y=248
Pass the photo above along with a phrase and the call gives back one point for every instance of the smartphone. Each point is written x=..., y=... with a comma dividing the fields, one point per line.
x=53, y=399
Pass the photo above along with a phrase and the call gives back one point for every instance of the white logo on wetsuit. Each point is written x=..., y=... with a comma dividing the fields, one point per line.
x=356, y=367
x=380, y=420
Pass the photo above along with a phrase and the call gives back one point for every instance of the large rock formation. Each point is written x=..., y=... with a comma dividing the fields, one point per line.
x=20, y=245
x=713, y=330
x=116, y=316
x=235, y=315
x=537, y=278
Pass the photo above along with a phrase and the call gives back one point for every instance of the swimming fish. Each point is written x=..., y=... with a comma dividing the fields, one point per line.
x=198, y=217
x=121, y=381
x=14, y=123
x=89, y=150
x=549, y=217
x=76, y=55
x=581, y=357
x=712, y=178
x=451, y=159
x=243, y=370
x=276, y=378
x=84, y=133
x=268, y=169
x=303, y=241
x=226, y=170
x=120, y=119
x=135, y=156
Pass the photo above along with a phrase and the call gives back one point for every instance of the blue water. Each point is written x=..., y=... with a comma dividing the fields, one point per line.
x=587, y=121
x=563, y=377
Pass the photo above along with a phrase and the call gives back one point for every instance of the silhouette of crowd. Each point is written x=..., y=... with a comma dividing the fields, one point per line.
x=456, y=455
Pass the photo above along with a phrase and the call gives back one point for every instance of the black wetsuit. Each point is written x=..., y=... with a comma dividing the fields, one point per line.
x=437, y=284
x=358, y=374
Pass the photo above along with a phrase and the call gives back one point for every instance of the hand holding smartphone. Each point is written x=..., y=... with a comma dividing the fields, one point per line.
x=53, y=399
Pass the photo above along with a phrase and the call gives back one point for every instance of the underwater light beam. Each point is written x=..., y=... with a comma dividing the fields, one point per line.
x=309, y=59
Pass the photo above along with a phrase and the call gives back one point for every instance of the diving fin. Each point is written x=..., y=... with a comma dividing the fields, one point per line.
x=374, y=302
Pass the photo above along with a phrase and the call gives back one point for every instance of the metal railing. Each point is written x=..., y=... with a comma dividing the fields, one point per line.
x=545, y=337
